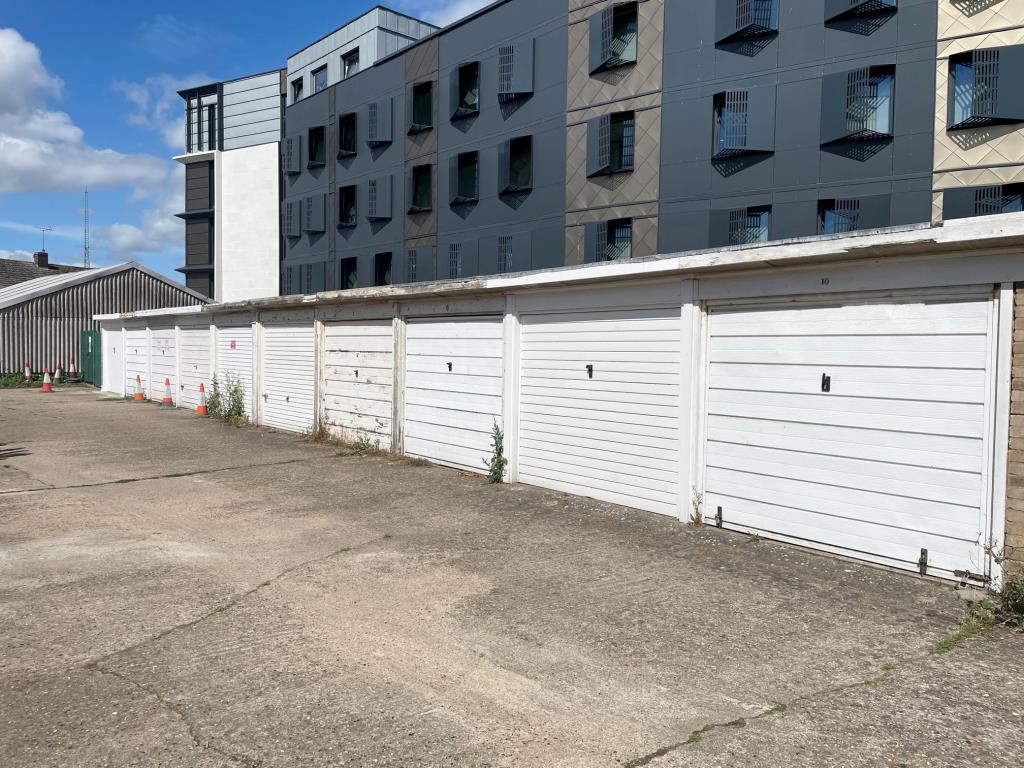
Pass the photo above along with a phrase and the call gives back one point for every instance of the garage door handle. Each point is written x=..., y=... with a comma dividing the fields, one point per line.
x=826, y=383
x=449, y=367
x=590, y=371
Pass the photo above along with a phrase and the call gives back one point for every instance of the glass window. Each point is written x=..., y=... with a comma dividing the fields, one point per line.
x=505, y=253
x=730, y=129
x=620, y=240
x=749, y=225
x=382, y=269
x=623, y=131
x=347, y=135
x=422, y=193
x=422, y=106
x=839, y=216
x=347, y=206
x=296, y=89
x=624, y=32
x=317, y=145
x=520, y=162
x=349, y=274
x=350, y=63
x=974, y=86
x=469, y=88
x=320, y=79
x=467, y=177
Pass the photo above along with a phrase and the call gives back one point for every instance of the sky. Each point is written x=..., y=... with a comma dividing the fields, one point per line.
x=88, y=97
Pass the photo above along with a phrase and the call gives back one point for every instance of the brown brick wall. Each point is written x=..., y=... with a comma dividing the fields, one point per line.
x=1015, y=465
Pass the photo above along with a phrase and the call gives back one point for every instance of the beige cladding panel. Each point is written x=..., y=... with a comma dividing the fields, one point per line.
x=639, y=186
x=645, y=76
x=969, y=17
x=420, y=66
x=958, y=153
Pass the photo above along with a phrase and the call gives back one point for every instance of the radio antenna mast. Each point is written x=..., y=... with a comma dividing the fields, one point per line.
x=86, y=248
x=44, y=230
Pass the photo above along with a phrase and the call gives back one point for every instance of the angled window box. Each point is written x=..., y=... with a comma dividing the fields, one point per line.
x=837, y=11
x=347, y=207
x=465, y=90
x=515, y=166
x=379, y=122
x=840, y=216
x=744, y=123
x=420, y=189
x=611, y=144
x=347, y=140
x=291, y=155
x=421, y=107
x=857, y=106
x=464, y=178
x=989, y=200
x=741, y=20
x=608, y=240
x=613, y=37
x=984, y=88
x=378, y=199
x=317, y=142
x=515, y=70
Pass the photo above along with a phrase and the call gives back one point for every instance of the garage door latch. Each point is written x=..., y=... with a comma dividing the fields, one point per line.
x=826, y=383
x=718, y=518
x=922, y=563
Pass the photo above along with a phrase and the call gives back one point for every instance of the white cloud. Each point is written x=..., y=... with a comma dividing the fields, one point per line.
x=157, y=105
x=16, y=255
x=158, y=231
x=169, y=38
x=42, y=150
x=441, y=12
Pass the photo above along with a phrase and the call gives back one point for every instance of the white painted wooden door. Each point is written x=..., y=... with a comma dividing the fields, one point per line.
x=599, y=405
x=453, y=389
x=359, y=373
x=288, y=376
x=163, y=363
x=235, y=360
x=136, y=350
x=861, y=429
x=113, y=361
x=195, y=363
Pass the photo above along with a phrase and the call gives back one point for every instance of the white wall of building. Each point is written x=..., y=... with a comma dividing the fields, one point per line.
x=247, y=225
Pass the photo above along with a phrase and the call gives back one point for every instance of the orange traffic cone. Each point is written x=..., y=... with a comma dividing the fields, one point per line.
x=201, y=409
x=138, y=389
x=47, y=387
x=72, y=371
x=57, y=376
x=168, y=399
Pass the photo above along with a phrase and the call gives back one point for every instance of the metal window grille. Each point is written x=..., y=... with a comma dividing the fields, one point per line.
x=754, y=13
x=985, y=93
x=372, y=121
x=607, y=32
x=620, y=240
x=371, y=198
x=748, y=225
x=455, y=260
x=845, y=215
x=506, y=65
x=732, y=121
x=505, y=253
x=988, y=200
x=410, y=265
x=628, y=141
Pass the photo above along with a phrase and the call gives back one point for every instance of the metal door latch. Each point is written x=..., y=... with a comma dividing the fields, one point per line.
x=590, y=371
x=922, y=563
x=718, y=518
x=449, y=367
x=826, y=383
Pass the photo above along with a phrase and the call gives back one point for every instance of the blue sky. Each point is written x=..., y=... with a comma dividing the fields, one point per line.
x=88, y=96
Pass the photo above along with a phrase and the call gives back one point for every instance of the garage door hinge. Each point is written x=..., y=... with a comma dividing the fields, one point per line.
x=922, y=563
x=966, y=576
x=718, y=518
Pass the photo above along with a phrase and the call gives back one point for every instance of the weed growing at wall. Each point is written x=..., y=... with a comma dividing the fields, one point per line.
x=497, y=463
x=1005, y=608
x=226, y=400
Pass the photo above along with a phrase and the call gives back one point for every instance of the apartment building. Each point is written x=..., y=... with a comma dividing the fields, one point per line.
x=541, y=133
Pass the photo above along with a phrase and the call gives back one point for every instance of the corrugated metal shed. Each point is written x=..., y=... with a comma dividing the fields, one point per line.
x=41, y=320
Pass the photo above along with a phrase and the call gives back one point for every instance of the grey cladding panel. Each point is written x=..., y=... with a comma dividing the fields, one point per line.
x=761, y=119
x=1010, y=101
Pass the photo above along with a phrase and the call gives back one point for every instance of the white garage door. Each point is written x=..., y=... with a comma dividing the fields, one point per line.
x=195, y=363
x=359, y=371
x=136, y=351
x=113, y=361
x=288, y=376
x=163, y=363
x=861, y=429
x=599, y=405
x=234, y=359
x=453, y=391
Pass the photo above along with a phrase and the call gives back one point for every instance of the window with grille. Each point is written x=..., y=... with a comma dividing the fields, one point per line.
x=465, y=178
x=739, y=20
x=613, y=37
x=505, y=253
x=984, y=87
x=999, y=198
x=611, y=143
x=455, y=260
x=623, y=135
x=730, y=128
x=466, y=93
x=296, y=90
x=410, y=266
x=749, y=225
x=347, y=206
x=852, y=10
x=869, y=102
x=839, y=216
x=516, y=172
x=620, y=240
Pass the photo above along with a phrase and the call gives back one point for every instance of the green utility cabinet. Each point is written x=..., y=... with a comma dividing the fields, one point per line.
x=92, y=358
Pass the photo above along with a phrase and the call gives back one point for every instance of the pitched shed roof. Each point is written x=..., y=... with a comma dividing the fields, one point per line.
x=41, y=286
x=14, y=271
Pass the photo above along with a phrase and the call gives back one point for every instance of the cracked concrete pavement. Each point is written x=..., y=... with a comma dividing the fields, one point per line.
x=177, y=592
